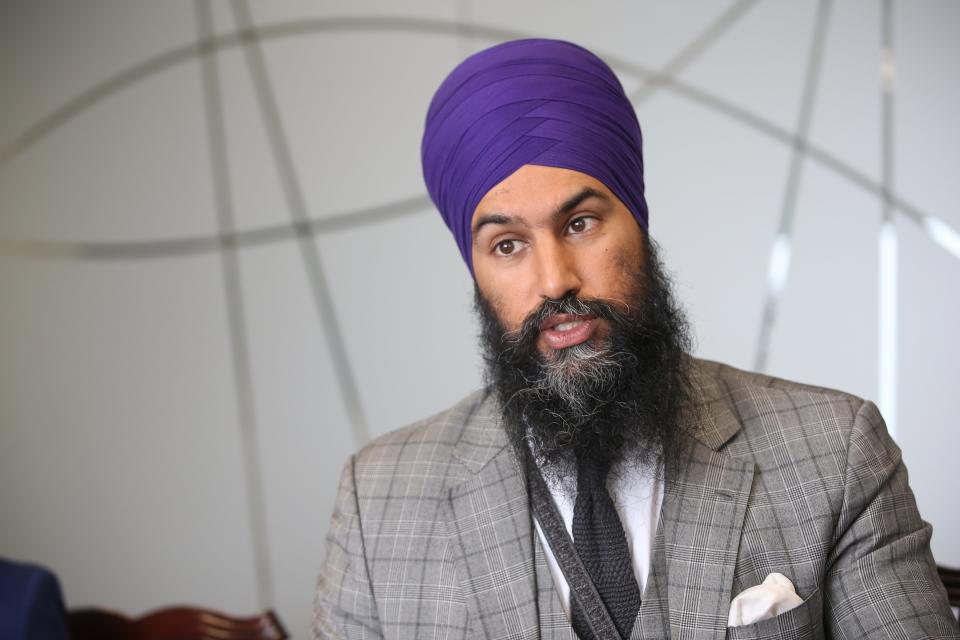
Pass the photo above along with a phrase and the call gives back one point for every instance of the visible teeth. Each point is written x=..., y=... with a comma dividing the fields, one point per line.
x=566, y=326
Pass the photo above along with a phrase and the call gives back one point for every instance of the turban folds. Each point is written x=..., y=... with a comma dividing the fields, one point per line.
x=535, y=101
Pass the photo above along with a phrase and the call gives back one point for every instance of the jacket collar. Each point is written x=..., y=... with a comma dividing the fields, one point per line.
x=483, y=436
x=711, y=398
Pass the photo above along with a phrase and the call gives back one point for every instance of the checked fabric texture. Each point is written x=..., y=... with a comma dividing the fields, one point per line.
x=432, y=535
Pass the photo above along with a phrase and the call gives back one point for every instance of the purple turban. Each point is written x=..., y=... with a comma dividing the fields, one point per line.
x=543, y=102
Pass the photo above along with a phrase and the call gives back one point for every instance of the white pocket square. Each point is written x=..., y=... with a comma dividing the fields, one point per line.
x=775, y=596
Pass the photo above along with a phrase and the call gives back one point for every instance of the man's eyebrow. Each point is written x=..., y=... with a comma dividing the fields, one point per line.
x=495, y=218
x=576, y=200
x=568, y=205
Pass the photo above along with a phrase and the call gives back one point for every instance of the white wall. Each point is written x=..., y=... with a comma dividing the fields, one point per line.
x=170, y=411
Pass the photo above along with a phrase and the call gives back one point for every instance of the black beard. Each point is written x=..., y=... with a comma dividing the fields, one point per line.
x=617, y=402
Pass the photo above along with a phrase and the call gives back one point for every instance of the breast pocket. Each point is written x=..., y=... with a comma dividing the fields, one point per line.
x=803, y=621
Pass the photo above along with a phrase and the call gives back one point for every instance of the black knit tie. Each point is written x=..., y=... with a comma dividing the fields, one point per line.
x=601, y=543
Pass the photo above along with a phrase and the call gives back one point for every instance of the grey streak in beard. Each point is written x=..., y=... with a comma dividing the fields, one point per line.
x=579, y=377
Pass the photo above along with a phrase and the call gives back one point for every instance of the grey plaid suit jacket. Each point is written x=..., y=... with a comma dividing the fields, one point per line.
x=432, y=534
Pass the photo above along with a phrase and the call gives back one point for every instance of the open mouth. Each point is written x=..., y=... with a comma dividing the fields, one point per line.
x=563, y=330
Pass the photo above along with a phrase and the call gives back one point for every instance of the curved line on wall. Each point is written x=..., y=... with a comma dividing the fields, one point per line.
x=194, y=245
x=419, y=26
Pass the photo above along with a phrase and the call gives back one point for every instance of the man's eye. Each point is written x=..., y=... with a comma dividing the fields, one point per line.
x=506, y=247
x=581, y=224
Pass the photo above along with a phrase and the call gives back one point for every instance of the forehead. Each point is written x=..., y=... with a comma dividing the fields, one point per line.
x=535, y=189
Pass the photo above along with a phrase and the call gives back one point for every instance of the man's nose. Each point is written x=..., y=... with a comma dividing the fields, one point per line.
x=558, y=271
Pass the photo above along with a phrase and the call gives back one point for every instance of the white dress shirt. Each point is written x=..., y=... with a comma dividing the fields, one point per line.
x=637, y=496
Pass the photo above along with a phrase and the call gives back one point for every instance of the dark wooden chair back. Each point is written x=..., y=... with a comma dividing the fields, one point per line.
x=174, y=623
x=951, y=580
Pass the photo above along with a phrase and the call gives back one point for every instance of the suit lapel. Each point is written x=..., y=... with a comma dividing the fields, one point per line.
x=653, y=619
x=554, y=623
x=489, y=521
x=703, y=514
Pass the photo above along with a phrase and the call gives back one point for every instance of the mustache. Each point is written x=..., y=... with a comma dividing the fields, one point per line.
x=526, y=334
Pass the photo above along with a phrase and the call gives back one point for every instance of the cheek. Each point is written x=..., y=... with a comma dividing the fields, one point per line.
x=615, y=272
x=516, y=312
x=511, y=298
x=508, y=308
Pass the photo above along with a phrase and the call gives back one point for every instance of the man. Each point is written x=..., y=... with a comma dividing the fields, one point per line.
x=605, y=483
